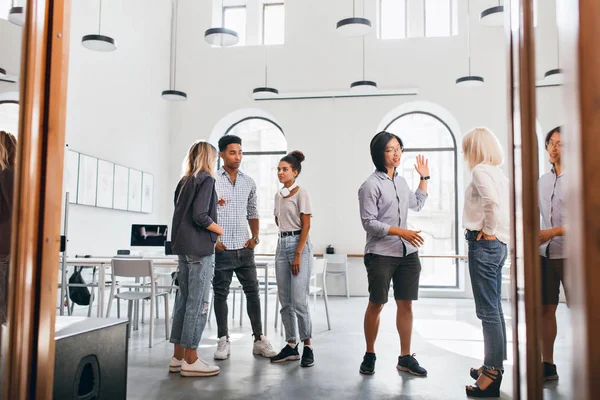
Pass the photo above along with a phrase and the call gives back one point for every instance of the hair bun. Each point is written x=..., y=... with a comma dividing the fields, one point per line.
x=298, y=154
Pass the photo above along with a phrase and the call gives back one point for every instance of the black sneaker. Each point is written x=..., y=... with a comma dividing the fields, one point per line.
x=288, y=353
x=550, y=373
x=410, y=364
x=368, y=365
x=308, y=357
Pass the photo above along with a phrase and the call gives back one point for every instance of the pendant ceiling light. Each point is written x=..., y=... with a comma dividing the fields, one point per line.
x=555, y=76
x=469, y=80
x=363, y=86
x=221, y=36
x=354, y=26
x=265, y=91
x=16, y=15
x=172, y=94
x=98, y=42
x=493, y=16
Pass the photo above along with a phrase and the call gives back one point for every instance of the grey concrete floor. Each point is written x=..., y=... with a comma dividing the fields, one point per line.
x=447, y=339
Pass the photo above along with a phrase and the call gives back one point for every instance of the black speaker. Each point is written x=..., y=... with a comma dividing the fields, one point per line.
x=90, y=359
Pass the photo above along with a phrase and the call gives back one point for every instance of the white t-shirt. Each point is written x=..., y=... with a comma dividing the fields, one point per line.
x=487, y=202
x=288, y=209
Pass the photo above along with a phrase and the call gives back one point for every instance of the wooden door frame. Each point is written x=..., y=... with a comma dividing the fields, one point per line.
x=527, y=373
x=579, y=32
x=38, y=201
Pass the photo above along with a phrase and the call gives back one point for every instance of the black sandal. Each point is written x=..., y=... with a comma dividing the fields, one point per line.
x=493, y=389
x=474, y=372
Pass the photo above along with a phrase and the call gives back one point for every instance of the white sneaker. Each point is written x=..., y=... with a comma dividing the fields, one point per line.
x=199, y=368
x=223, y=349
x=263, y=347
x=175, y=365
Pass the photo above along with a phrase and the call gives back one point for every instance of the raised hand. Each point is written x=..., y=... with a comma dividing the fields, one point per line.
x=422, y=165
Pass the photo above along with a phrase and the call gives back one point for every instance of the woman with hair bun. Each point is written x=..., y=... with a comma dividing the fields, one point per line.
x=293, y=260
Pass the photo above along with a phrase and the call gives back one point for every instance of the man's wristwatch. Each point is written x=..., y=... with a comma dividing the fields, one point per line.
x=255, y=240
x=425, y=178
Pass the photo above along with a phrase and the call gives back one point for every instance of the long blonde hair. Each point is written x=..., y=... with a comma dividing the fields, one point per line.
x=8, y=150
x=201, y=157
x=481, y=146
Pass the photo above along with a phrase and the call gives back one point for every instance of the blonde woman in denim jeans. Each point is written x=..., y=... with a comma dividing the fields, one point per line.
x=293, y=261
x=486, y=221
x=193, y=236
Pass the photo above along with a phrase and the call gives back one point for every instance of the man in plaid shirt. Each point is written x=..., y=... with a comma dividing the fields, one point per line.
x=235, y=249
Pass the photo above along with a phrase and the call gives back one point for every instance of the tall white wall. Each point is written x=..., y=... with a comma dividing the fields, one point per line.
x=10, y=54
x=334, y=134
x=115, y=112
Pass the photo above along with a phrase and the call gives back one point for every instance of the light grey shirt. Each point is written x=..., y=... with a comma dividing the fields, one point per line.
x=288, y=210
x=552, y=209
x=383, y=203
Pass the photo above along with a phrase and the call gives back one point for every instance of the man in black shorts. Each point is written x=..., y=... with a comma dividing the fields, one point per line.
x=391, y=249
x=552, y=249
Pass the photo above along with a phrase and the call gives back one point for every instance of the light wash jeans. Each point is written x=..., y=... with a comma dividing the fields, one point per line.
x=293, y=291
x=486, y=259
x=191, y=307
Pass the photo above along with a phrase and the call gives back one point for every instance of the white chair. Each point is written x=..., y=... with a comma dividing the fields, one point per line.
x=137, y=268
x=337, y=264
x=319, y=267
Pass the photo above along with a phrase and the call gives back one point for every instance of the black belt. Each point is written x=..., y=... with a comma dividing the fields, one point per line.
x=290, y=233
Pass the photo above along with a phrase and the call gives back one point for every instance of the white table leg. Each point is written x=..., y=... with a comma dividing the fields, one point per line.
x=265, y=324
x=101, y=287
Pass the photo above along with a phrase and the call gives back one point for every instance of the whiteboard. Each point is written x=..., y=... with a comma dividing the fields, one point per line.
x=106, y=179
x=88, y=174
x=121, y=187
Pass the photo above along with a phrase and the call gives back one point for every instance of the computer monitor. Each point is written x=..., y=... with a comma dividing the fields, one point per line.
x=148, y=235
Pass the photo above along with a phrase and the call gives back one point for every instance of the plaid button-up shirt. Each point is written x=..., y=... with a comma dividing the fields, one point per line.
x=240, y=206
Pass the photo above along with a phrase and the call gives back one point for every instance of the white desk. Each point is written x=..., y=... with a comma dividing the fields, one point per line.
x=102, y=262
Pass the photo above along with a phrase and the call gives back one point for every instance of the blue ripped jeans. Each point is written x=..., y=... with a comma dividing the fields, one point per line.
x=191, y=307
x=486, y=259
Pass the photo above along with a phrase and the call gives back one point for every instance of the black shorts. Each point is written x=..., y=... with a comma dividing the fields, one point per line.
x=553, y=273
x=404, y=271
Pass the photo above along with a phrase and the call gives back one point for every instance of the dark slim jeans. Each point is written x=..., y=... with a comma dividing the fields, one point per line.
x=486, y=259
x=242, y=263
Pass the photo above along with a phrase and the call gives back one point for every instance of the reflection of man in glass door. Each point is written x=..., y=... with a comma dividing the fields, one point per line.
x=552, y=250
x=234, y=251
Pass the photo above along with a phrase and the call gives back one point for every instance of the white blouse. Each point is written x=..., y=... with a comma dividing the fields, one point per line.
x=487, y=202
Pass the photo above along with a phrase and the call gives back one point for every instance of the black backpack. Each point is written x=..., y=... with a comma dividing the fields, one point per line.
x=78, y=294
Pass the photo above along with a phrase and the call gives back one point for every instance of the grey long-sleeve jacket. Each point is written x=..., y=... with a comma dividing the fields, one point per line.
x=195, y=210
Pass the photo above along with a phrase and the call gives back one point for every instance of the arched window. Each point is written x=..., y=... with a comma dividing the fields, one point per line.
x=424, y=133
x=9, y=116
x=263, y=145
